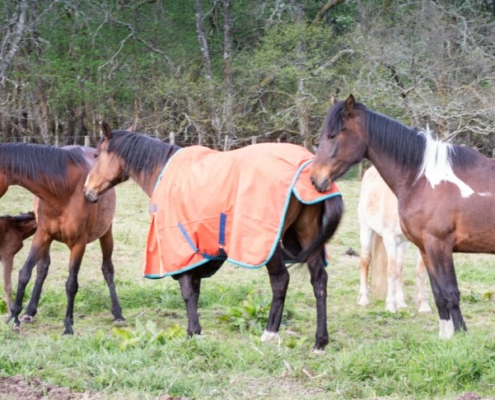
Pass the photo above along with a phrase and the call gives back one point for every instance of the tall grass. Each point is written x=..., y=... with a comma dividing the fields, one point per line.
x=372, y=353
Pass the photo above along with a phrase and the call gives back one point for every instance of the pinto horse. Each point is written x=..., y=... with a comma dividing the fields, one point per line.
x=13, y=231
x=384, y=246
x=122, y=155
x=446, y=193
x=56, y=177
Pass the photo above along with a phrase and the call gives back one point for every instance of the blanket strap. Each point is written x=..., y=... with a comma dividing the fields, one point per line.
x=222, y=255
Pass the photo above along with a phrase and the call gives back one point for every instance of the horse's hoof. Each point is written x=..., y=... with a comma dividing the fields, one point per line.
x=68, y=331
x=318, y=351
x=363, y=301
x=119, y=321
x=269, y=336
x=425, y=309
x=27, y=319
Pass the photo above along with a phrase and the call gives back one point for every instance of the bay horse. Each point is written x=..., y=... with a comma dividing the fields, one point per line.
x=56, y=177
x=122, y=155
x=384, y=246
x=446, y=193
x=13, y=231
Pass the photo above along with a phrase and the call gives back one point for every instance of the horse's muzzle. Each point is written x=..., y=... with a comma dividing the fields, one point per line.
x=322, y=185
x=91, y=196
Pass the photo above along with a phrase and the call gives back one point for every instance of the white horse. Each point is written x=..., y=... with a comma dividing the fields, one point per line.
x=384, y=246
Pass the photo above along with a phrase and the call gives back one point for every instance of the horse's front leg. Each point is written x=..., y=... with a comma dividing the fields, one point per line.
x=279, y=281
x=190, y=286
x=72, y=285
x=41, y=273
x=440, y=265
x=39, y=246
x=107, y=268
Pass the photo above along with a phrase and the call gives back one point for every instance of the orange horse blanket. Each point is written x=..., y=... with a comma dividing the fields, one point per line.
x=225, y=205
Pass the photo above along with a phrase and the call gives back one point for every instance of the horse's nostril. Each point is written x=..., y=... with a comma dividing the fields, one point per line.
x=312, y=181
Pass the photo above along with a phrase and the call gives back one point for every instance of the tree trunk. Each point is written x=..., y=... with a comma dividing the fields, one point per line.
x=227, y=58
x=203, y=45
x=12, y=39
x=321, y=14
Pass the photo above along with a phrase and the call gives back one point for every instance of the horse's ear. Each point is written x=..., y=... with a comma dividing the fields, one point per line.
x=106, y=132
x=334, y=100
x=349, y=105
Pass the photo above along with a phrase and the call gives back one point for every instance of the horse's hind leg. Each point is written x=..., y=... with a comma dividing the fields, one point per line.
x=107, y=268
x=190, y=286
x=279, y=281
x=41, y=274
x=421, y=291
x=366, y=238
x=399, y=284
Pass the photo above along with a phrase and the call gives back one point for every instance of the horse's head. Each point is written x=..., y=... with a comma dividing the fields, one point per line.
x=342, y=143
x=107, y=171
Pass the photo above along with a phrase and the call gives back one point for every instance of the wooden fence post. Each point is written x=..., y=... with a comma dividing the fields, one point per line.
x=226, y=143
x=172, y=137
x=253, y=139
x=86, y=141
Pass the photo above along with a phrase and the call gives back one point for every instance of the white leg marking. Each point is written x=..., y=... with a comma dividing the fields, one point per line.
x=446, y=329
x=269, y=336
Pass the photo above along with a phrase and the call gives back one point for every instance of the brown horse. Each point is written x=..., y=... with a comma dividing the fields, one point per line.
x=56, y=177
x=122, y=155
x=446, y=193
x=384, y=246
x=13, y=231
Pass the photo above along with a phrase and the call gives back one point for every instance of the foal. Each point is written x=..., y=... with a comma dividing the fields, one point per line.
x=13, y=231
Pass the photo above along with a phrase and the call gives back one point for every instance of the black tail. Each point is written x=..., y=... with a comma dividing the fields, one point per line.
x=333, y=210
x=24, y=223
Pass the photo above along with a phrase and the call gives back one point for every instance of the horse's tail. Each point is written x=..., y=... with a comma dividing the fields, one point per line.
x=378, y=268
x=24, y=223
x=333, y=210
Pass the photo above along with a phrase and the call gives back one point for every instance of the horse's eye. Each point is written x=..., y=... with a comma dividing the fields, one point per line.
x=96, y=155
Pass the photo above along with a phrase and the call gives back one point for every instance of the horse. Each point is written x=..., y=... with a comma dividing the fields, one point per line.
x=56, y=176
x=384, y=246
x=122, y=155
x=445, y=192
x=13, y=231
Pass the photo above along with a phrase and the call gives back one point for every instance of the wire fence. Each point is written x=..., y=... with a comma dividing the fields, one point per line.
x=227, y=143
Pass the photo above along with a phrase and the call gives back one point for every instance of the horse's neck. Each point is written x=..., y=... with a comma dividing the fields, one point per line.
x=147, y=182
x=392, y=172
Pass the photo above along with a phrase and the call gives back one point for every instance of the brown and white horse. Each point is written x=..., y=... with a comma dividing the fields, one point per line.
x=446, y=193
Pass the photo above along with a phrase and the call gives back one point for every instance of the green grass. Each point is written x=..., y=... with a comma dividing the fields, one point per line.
x=372, y=354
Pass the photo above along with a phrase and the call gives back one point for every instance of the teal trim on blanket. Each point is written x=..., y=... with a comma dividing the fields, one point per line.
x=164, y=168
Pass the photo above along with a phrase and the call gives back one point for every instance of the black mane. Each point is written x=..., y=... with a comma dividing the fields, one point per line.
x=142, y=154
x=406, y=145
x=41, y=163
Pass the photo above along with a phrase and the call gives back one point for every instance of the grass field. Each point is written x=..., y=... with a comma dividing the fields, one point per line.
x=372, y=354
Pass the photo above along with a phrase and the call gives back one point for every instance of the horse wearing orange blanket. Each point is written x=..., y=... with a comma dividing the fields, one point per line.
x=122, y=155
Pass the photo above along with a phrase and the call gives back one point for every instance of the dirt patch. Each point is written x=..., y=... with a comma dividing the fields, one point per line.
x=17, y=388
x=470, y=396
